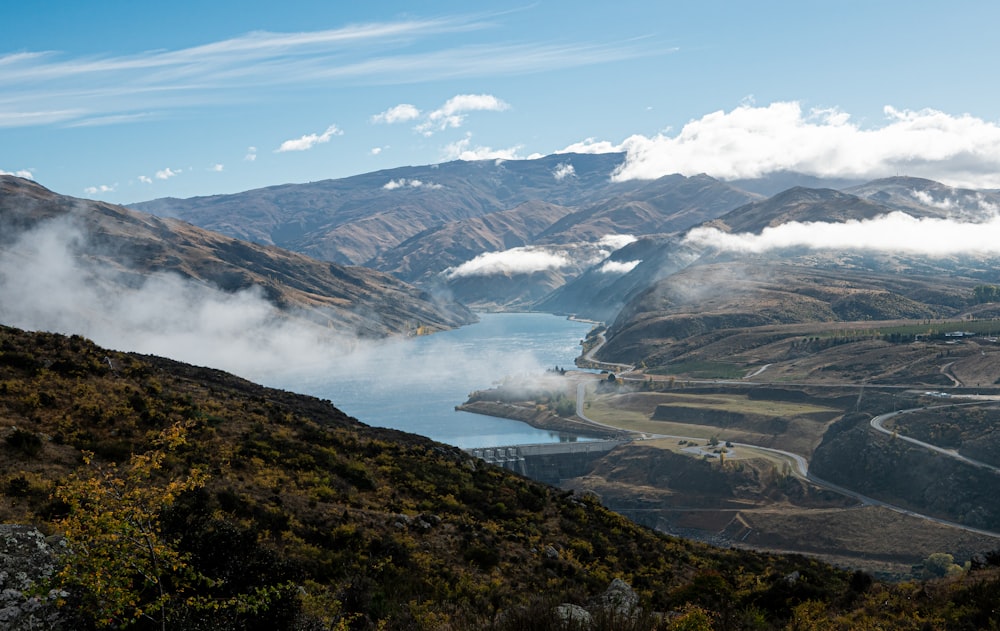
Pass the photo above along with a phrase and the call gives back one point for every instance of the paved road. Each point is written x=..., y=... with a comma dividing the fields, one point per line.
x=802, y=465
x=878, y=422
x=589, y=356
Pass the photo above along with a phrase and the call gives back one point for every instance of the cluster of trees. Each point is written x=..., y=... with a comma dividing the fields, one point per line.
x=985, y=293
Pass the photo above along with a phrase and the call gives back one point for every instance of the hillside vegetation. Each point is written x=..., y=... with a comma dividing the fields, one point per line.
x=305, y=518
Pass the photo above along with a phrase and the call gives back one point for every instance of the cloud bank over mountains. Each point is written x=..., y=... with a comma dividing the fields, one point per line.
x=752, y=141
x=536, y=258
x=893, y=232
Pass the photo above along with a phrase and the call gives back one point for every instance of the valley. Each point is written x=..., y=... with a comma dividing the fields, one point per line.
x=721, y=444
x=788, y=347
x=746, y=379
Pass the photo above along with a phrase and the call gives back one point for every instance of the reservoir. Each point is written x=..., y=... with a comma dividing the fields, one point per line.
x=414, y=384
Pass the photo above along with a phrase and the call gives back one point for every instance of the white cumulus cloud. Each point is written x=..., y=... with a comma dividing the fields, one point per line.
x=309, y=141
x=103, y=188
x=961, y=204
x=589, y=145
x=616, y=241
x=522, y=260
x=166, y=174
x=145, y=179
x=25, y=173
x=251, y=154
x=218, y=167
x=398, y=114
x=894, y=232
x=463, y=150
x=618, y=267
x=392, y=185
x=751, y=141
x=453, y=112
x=563, y=170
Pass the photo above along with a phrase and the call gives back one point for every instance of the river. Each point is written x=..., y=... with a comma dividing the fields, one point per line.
x=414, y=384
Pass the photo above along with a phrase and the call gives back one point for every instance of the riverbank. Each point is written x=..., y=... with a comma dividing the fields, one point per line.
x=543, y=419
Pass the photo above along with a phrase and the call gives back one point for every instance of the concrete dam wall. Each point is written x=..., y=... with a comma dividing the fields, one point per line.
x=549, y=463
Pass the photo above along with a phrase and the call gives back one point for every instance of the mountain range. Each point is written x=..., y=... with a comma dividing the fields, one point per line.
x=527, y=234
x=420, y=223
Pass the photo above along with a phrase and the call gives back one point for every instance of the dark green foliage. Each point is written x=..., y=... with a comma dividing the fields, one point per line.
x=27, y=443
x=985, y=293
x=231, y=555
x=18, y=487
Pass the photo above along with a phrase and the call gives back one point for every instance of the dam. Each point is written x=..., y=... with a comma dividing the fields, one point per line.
x=549, y=462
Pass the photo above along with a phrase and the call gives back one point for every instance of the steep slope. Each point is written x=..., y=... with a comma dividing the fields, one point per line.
x=575, y=236
x=355, y=219
x=331, y=519
x=602, y=290
x=436, y=249
x=722, y=291
x=114, y=250
x=669, y=204
x=308, y=519
x=917, y=195
x=728, y=297
x=802, y=205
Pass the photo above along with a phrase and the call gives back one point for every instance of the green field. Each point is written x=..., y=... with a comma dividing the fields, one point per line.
x=701, y=369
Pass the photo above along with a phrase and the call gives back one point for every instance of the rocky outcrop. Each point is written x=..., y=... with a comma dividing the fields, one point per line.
x=27, y=559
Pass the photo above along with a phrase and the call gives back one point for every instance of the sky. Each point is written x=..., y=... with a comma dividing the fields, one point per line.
x=130, y=101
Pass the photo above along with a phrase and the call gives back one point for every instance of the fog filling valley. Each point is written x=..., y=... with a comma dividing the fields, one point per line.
x=45, y=284
x=893, y=232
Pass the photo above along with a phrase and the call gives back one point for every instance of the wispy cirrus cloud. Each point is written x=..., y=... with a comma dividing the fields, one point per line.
x=113, y=119
x=113, y=89
x=308, y=141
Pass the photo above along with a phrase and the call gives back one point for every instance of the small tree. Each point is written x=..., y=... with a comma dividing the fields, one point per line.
x=941, y=564
x=117, y=556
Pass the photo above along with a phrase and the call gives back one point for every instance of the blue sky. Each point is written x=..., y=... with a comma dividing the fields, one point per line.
x=129, y=101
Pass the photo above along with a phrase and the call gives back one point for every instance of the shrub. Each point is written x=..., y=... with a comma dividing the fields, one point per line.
x=26, y=442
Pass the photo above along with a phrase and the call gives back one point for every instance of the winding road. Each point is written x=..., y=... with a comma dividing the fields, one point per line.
x=802, y=465
x=878, y=422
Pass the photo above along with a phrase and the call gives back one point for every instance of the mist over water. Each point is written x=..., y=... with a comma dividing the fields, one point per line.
x=414, y=384
x=52, y=280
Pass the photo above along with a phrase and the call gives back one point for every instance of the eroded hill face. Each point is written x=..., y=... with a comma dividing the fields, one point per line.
x=422, y=223
x=93, y=254
x=731, y=292
x=355, y=219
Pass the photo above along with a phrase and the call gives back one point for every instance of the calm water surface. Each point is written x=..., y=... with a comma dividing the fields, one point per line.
x=415, y=384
